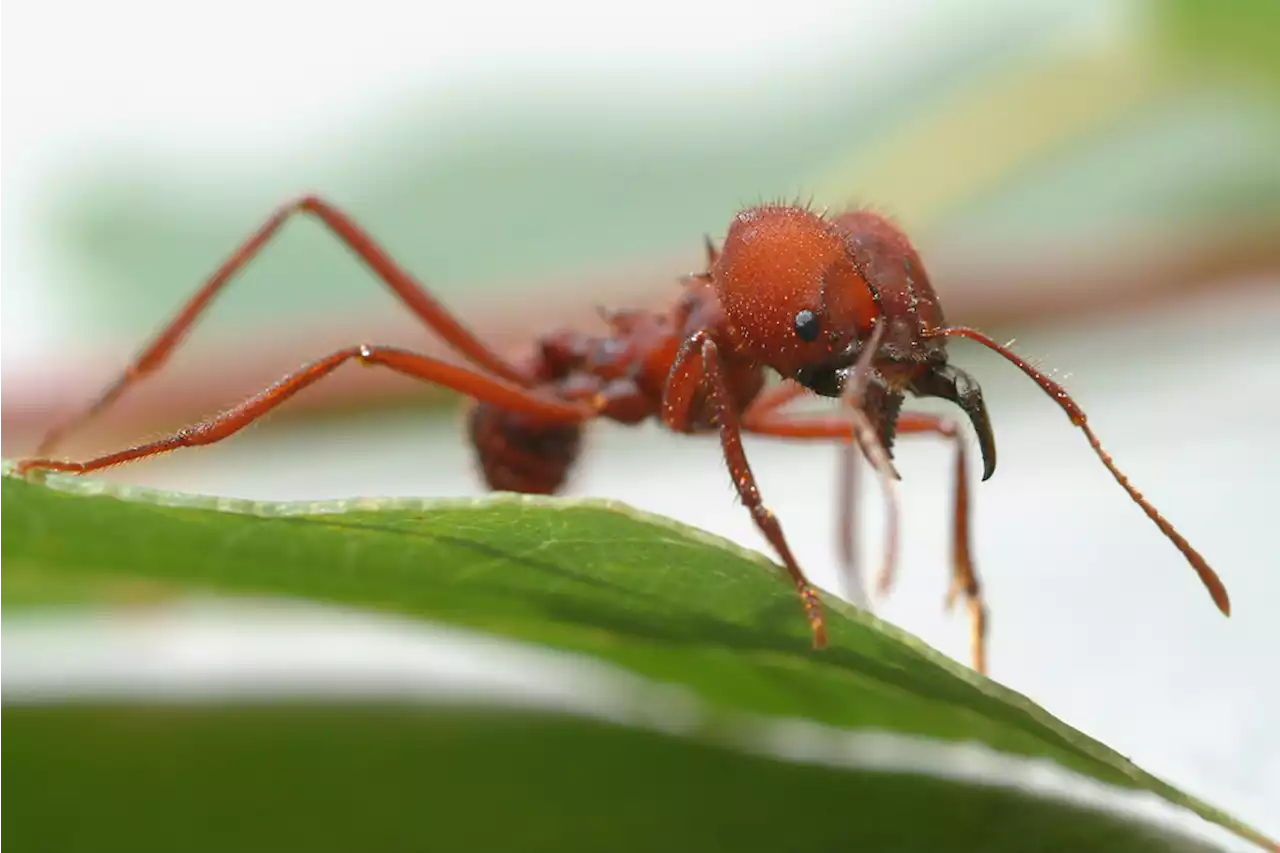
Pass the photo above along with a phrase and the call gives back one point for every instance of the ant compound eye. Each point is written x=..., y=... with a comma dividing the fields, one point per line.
x=807, y=326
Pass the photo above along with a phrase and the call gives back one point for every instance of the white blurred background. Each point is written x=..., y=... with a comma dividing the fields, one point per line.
x=1076, y=182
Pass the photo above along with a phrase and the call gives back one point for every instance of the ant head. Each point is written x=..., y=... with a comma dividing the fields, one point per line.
x=803, y=294
x=792, y=291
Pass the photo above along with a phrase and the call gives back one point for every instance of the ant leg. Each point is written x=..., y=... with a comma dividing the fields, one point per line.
x=964, y=577
x=482, y=387
x=773, y=398
x=414, y=296
x=877, y=454
x=699, y=360
x=763, y=418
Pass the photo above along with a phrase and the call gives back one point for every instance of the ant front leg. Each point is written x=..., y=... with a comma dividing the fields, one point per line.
x=765, y=420
x=483, y=388
x=698, y=366
x=411, y=293
x=964, y=576
x=763, y=417
x=853, y=426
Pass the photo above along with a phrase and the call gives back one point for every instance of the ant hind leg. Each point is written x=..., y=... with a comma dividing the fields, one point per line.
x=412, y=294
x=482, y=387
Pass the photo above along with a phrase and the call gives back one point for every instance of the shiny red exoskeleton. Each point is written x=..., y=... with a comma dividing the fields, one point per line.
x=840, y=306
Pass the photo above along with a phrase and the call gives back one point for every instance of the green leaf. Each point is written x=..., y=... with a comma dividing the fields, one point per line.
x=650, y=596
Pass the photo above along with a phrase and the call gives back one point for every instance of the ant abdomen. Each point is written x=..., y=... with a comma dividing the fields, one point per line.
x=516, y=454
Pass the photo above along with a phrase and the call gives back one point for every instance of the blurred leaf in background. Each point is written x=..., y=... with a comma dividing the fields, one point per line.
x=1239, y=39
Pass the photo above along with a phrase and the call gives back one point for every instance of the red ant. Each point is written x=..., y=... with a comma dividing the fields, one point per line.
x=841, y=306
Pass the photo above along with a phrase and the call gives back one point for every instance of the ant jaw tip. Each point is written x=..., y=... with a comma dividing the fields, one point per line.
x=950, y=383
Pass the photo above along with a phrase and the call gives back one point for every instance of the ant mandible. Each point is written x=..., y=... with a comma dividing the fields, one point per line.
x=840, y=306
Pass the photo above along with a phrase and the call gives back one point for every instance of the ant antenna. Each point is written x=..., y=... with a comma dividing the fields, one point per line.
x=1207, y=575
